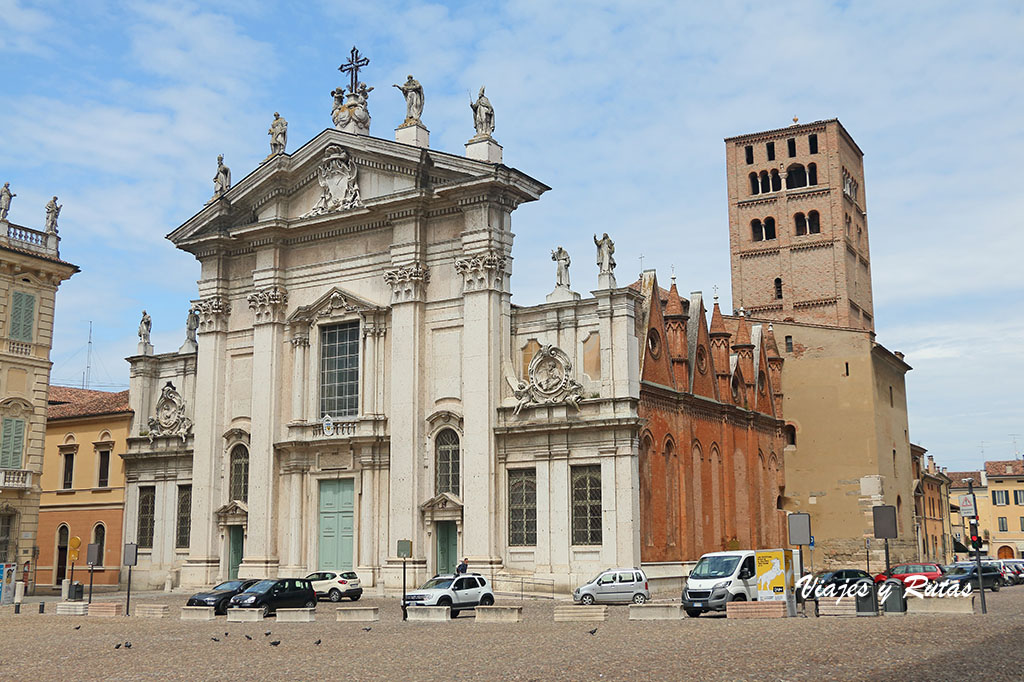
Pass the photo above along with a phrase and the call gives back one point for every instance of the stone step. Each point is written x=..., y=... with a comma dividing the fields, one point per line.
x=72, y=608
x=940, y=605
x=197, y=613
x=301, y=615
x=357, y=614
x=499, y=614
x=655, y=611
x=845, y=607
x=588, y=614
x=755, y=609
x=429, y=614
x=237, y=615
x=152, y=610
x=106, y=609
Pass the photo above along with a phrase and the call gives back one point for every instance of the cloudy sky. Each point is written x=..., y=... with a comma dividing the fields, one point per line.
x=121, y=108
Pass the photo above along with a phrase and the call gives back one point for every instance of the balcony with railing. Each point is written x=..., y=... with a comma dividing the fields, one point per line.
x=15, y=479
x=20, y=237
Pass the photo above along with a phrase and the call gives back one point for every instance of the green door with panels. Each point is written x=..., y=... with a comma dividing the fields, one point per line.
x=447, y=547
x=337, y=523
x=236, y=540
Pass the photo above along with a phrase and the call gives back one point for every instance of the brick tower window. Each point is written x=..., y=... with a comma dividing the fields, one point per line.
x=812, y=174
x=800, y=224
x=756, y=230
x=813, y=223
x=789, y=344
x=769, y=149
x=755, y=185
x=750, y=153
x=778, y=288
x=769, y=228
x=766, y=183
x=812, y=142
x=791, y=147
x=776, y=181
x=796, y=176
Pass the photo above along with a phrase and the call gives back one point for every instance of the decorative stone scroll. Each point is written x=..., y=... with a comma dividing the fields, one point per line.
x=268, y=304
x=213, y=312
x=170, y=419
x=407, y=282
x=550, y=381
x=339, y=183
x=481, y=271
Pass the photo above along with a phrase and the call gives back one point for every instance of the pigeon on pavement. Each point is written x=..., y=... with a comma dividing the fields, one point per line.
x=127, y=645
x=248, y=638
x=267, y=633
x=215, y=639
x=317, y=642
x=78, y=627
x=275, y=642
x=117, y=646
x=593, y=632
x=367, y=629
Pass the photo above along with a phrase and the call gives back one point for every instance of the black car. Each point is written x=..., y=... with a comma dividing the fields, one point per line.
x=271, y=595
x=968, y=573
x=219, y=596
x=839, y=580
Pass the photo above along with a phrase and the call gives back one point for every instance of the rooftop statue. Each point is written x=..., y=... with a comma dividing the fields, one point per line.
x=222, y=180
x=483, y=115
x=413, y=92
x=5, y=200
x=52, y=213
x=278, y=134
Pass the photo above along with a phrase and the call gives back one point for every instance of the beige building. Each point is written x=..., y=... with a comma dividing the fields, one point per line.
x=1006, y=495
x=83, y=483
x=961, y=528
x=932, y=525
x=30, y=272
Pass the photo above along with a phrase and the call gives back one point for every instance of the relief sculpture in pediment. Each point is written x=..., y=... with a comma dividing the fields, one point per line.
x=170, y=419
x=339, y=183
x=549, y=381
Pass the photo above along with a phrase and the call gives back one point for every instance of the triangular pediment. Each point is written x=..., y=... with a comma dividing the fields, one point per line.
x=336, y=302
x=234, y=508
x=442, y=501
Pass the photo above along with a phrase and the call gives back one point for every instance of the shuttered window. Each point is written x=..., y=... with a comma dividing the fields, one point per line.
x=12, y=443
x=23, y=315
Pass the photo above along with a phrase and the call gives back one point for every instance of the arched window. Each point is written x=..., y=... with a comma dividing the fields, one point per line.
x=790, y=431
x=239, y=474
x=796, y=176
x=776, y=181
x=446, y=449
x=63, y=535
x=672, y=494
x=812, y=174
x=646, y=510
x=756, y=230
x=813, y=223
x=778, y=288
x=766, y=184
x=769, y=228
x=755, y=186
x=800, y=221
x=99, y=537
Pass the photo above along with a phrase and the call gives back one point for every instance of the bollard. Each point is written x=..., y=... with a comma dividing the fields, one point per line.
x=42, y=607
x=65, y=589
x=19, y=592
x=17, y=608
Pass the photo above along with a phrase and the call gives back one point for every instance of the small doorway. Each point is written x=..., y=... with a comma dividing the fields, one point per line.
x=337, y=523
x=1005, y=552
x=62, y=555
x=447, y=546
x=236, y=545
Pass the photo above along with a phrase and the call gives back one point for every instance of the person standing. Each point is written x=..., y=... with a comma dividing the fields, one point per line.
x=463, y=567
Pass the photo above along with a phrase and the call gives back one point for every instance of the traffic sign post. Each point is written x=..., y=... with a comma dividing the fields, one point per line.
x=884, y=516
x=404, y=551
x=92, y=557
x=800, y=533
x=131, y=557
x=73, y=545
x=976, y=543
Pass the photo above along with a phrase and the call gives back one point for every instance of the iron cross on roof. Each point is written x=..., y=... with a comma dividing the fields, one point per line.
x=354, y=63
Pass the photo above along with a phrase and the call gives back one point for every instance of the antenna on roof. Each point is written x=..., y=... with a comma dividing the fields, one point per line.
x=88, y=359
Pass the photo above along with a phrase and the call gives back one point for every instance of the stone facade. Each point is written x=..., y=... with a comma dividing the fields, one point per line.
x=798, y=226
x=30, y=272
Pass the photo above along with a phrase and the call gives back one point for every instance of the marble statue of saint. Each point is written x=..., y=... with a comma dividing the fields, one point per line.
x=52, y=213
x=338, y=109
x=145, y=327
x=278, y=134
x=605, y=249
x=222, y=180
x=5, y=200
x=561, y=257
x=413, y=92
x=191, y=325
x=483, y=115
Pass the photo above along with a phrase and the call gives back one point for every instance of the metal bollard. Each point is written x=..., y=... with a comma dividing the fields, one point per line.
x=42, y=607
x=17, y=608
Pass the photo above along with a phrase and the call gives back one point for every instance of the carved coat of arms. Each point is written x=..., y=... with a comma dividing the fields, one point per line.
x=170, y=419
x=339, y=184
x=550, y=381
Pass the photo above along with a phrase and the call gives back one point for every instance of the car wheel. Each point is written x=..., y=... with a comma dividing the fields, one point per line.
x=455, y=614
x=222, y=608
x=639, y=598
x=266, y=610
x=335, y=595
x=693, y=613
x=311, y=604
x=486, y=600
x=355, y=597
x=738, y=597
x=995, y=587
x=587, y=599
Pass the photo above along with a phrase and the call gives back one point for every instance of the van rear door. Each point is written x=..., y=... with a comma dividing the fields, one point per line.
x=748, y=584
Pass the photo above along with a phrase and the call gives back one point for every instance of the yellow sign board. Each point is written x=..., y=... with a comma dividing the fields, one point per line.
x=75, y=542
x=775, y=580
x=73, y=555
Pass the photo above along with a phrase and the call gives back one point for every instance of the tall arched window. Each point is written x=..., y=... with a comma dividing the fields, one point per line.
x=646, y=510
x=769, y=228
x=239, y=474
x=755, y=186
x=756, y=230
x=812, y=174
x=446, y=449
x=796, y=176
x=800, y=222
x=766, y=183
x=899, y=514
x=776, y=181
x=63, y=535
x=813, y=223
x=778, y=288
x=99, y=537
x=672, y=493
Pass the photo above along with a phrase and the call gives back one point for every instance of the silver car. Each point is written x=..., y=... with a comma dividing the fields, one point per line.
x=614, y=586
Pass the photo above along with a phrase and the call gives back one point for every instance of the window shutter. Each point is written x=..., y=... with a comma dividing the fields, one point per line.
x=11, y=442
x=22, y=316
x=18, y=443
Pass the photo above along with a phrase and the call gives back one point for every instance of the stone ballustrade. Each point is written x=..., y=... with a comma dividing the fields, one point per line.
x=19, y=479
x=19, y=237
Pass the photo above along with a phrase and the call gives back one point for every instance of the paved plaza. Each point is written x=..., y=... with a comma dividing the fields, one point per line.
x=919, y=647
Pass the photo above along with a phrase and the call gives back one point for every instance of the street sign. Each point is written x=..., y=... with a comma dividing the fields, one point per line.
x=93, y=554
x=131, y=554
x=404, y=549
x=75, y=542
x=967, y=508
x=884, y=516
x=72, y=555
x=799, y=528
x=811, y=543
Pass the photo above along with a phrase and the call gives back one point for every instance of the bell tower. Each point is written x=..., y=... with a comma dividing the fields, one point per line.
x=798, y=234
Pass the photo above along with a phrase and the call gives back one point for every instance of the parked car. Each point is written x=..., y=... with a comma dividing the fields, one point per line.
x=459, y=591
x=840, y=579
x=614, y=586
x=1008, y=576
x=336, y=584
x=904, y=571
x=968, y=573
x=219, y=596
x=271, y=595
x=717, y=579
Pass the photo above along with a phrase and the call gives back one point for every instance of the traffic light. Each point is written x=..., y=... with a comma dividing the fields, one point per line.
x=975, y=536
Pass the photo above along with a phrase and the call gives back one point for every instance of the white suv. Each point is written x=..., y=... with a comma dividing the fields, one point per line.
x=459, y=591
x=336, y=584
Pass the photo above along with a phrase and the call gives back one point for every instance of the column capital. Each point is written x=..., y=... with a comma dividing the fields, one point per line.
x=268, y=304
x=481, y=270
x=408, y=282
x=213, y=313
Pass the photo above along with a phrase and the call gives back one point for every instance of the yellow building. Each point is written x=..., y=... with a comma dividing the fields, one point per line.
x=958, y=487
x=83, y=483
x=931, y=509
x=1006, y=495
x=30, y=272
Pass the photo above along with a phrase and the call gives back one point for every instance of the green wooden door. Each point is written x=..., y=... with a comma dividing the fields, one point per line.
x=236, y=540
x=337, y=523
x=447, y=547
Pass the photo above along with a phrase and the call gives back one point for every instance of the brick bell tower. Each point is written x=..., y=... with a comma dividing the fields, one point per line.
x=798, y=234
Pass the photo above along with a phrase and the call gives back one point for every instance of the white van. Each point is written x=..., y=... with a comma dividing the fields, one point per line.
x=719, y=578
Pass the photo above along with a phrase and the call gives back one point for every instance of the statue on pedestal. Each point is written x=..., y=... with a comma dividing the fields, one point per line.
x=278, y=134
x=483, y=115
x=145, y=327
x=605, y=249
x=350, y=112
x=191, y=325
x=413, y=92
x=222, y=180
x=52, y=213
x=561, y=257
x=5, y=200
